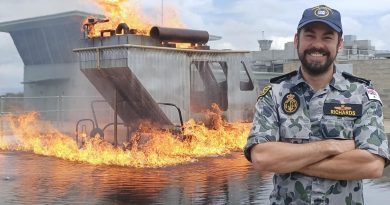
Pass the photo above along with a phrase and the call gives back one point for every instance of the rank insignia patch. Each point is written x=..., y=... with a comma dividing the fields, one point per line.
x=290, y=103
x=264, y=92
x=347, y=110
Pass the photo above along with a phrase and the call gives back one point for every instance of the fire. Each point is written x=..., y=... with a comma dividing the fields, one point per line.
x=148, y=147
x=129, y=12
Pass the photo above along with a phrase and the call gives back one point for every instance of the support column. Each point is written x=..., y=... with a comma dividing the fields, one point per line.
x=116, y=118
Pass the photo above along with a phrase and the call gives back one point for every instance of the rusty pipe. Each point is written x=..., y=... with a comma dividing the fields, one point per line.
x=179, y=35
x=122, y=27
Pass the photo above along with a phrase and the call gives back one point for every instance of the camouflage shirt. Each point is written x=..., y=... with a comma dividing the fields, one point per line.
x=347, y=108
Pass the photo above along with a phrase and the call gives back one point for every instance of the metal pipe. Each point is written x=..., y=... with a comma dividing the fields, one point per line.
x=122, y=27
x=116, y=117
x=77, y=128
x=97, y=58
x=178, y=110
x=179, y=35
x=110, y=124
x=93, y=110
x=127, y=133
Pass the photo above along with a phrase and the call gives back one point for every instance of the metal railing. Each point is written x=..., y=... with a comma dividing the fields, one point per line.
x=103, y=57
x=356, y=54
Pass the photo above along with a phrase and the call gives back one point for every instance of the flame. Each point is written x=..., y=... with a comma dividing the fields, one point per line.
x=148, y=147
x=129, y=12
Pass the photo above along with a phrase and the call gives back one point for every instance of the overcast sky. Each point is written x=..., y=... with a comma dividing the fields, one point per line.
x=239, y=22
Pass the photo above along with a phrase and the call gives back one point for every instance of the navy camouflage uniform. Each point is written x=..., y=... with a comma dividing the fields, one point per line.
x=290, y=111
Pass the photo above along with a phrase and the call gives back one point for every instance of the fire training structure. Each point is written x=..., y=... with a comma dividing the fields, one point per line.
x=146, y=78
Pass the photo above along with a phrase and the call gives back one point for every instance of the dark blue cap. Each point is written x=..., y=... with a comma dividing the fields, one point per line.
x=323, y=14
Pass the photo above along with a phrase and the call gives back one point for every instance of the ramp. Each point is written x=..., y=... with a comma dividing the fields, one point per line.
x=135, y=104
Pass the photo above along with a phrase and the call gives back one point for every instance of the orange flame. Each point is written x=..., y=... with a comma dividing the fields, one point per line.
x=148, y=147
x=129, y=12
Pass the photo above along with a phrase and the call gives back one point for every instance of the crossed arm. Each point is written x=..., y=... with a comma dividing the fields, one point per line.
x=331, y=159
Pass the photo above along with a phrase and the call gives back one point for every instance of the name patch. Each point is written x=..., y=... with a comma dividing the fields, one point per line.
x=348, y=110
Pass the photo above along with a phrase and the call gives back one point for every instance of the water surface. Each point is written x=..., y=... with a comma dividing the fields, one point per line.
x=27, y=178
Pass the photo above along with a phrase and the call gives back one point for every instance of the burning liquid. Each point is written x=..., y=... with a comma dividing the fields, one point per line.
x=148, y=147
x=129, y=12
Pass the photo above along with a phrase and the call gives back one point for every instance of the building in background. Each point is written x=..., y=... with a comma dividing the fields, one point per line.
x=51, y=68
x=271, y=60
x=45, y=46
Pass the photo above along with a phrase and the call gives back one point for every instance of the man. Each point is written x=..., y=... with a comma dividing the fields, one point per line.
x=321, y=131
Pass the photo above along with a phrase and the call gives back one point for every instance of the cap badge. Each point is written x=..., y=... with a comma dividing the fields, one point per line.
x=322, y=11
x=290, y=103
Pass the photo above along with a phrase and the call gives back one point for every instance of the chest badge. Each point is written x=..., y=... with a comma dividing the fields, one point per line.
x=290, y=103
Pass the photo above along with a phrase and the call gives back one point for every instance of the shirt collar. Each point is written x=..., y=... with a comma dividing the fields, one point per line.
x=299, y=84
x=338, y=82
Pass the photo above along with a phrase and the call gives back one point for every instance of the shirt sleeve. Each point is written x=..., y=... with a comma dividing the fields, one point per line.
x=369, y=130
x=265, y=126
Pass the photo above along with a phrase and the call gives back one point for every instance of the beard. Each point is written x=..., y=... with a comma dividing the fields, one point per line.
x=316, y=68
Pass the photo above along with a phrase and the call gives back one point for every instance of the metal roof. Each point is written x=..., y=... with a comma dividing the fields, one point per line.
x=22, y=24
x=47, y=39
